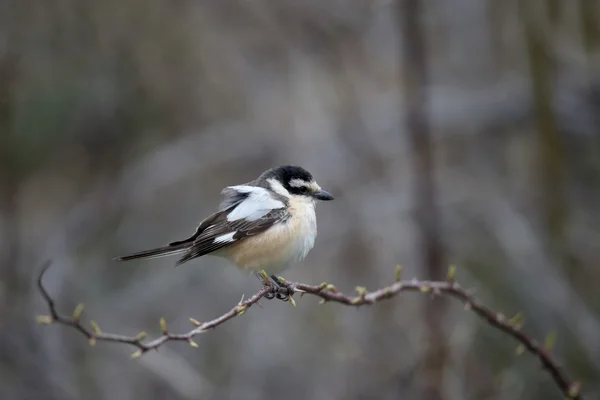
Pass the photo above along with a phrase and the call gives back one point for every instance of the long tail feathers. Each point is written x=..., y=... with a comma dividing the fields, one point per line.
x=156, y=253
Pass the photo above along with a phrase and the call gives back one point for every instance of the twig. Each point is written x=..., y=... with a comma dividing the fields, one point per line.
x=95, y=334
x=328, y=293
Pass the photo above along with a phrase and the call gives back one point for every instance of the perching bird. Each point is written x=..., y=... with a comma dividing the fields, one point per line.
x=264, y=225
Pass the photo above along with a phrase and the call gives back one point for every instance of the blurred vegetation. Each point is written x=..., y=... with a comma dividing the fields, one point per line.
x=120, y=122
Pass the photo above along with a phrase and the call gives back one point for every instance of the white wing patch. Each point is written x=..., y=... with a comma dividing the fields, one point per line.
x=226, y=238
x=258, y=204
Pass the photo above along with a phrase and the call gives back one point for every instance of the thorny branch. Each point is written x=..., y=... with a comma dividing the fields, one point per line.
x=328, y=293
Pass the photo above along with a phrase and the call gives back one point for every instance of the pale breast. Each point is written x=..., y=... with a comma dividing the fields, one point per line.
x=281, y=245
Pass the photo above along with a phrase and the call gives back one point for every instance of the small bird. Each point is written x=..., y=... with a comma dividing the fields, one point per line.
x=262, y=226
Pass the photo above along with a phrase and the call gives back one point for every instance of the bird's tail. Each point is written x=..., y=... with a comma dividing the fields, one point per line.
x=158, y=252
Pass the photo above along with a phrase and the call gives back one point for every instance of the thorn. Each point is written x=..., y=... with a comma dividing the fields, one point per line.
x=44, y=319
x=322, y=301
x=299, y=290
x=195, y=322
x=78, y=311
x=258, y=304
x=95, y=328
x=398, y=273
x=468, y=306
x=136, y=354
x=163, y=326
x=241, y=300
x=192, y=343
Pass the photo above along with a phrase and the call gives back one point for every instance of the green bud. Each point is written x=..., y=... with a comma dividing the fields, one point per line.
x=292, y=301
x=44, y=319
x=362, y=291
x=550, y=341
x=136, y=354
x=78, y=311
x=95, y=328
x=451, y=273
x=517, y=321
x=398, y=272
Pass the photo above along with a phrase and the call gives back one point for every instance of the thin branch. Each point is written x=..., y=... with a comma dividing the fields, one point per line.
x=94, y=334
x=328, y=293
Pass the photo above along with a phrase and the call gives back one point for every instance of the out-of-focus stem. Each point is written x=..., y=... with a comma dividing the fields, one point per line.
x=415, y=76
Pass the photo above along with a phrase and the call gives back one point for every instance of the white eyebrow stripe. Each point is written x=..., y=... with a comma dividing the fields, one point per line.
x=312, y=185
x=226, y=238
x=258, y=204
x=277, y=187
x=298, y=183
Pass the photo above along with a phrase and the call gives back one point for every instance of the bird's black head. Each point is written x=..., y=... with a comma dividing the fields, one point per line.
x=295, y=181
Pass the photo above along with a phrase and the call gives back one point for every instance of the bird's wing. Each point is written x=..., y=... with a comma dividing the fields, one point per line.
x=223, y=232
x=239, y=202
x=250, y=202
x=245, y=211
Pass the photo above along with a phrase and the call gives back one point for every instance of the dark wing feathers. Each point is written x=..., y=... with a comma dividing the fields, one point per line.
x=232, y=198
x=204, y=241
x=179, y=247
x=199, y=230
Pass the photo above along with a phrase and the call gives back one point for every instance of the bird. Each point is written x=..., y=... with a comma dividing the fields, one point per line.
x=263, y=226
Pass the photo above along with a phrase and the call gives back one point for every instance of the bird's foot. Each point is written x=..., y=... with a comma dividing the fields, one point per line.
x=284, y=290
x=280, y=289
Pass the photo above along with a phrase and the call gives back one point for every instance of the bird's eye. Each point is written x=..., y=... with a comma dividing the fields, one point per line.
x=303, y=190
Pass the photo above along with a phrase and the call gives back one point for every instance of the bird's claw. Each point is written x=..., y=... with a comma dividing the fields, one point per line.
x=279, y=289
x=284, y=291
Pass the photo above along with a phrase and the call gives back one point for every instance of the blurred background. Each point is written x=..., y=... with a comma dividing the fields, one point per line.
x=450, y=131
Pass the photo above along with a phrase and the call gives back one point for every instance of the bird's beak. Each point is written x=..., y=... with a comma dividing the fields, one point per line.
x=323, y=195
